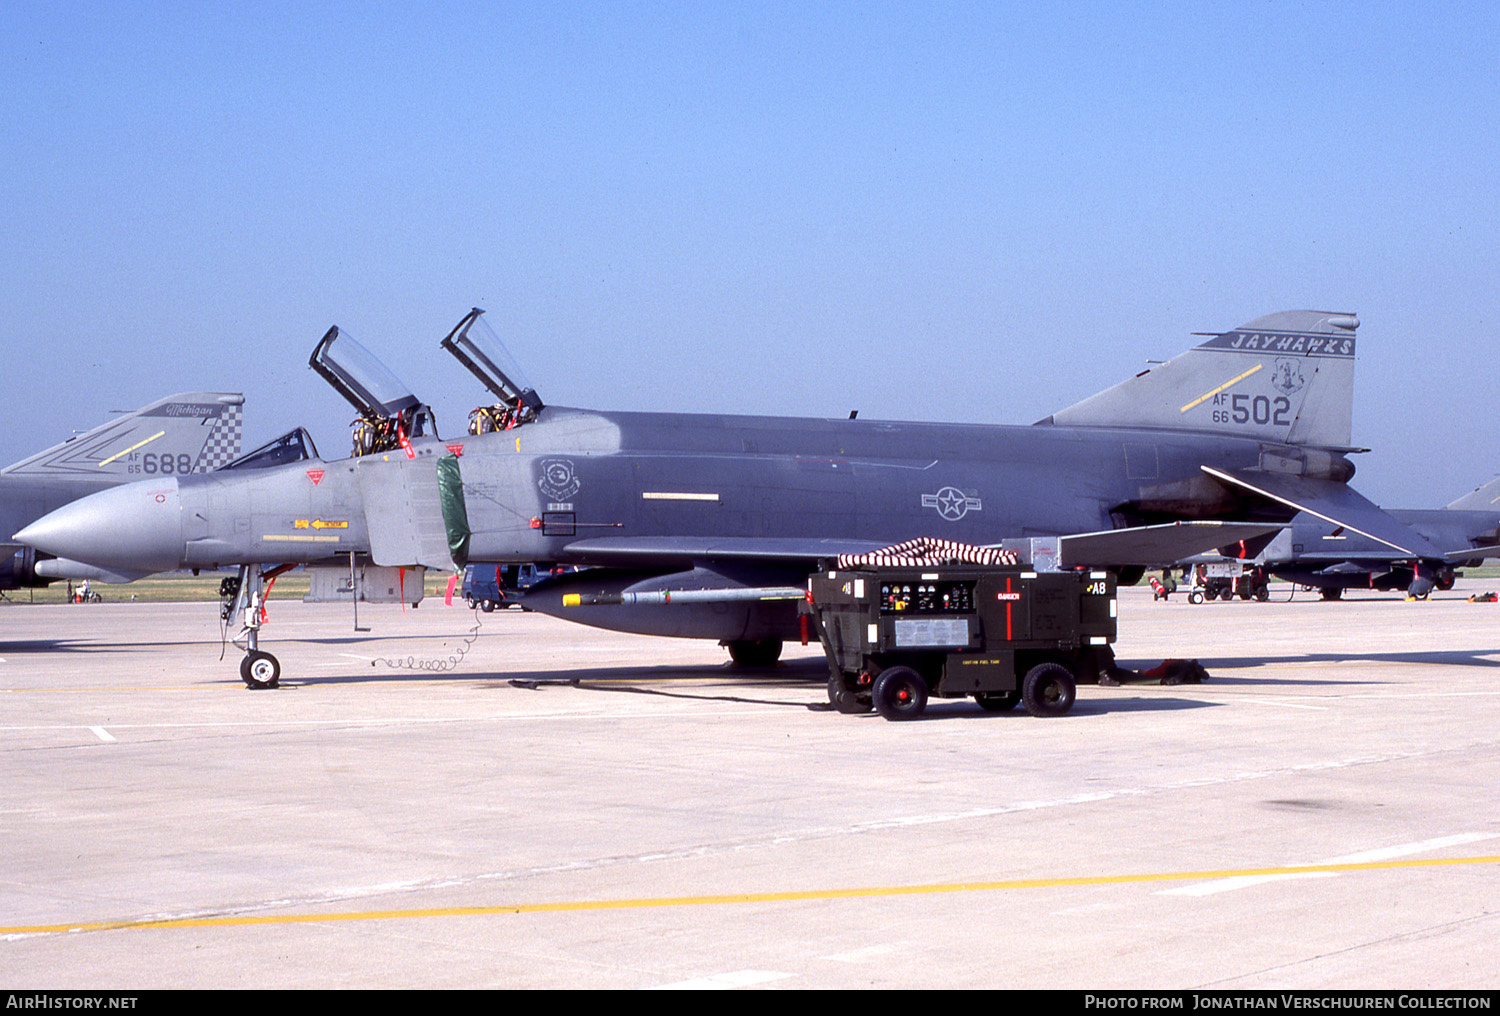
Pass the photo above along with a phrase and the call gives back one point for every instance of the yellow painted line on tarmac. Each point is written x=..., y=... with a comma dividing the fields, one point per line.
x=864, y=892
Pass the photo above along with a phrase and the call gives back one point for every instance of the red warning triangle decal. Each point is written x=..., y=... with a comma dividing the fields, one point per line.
x=315, y=475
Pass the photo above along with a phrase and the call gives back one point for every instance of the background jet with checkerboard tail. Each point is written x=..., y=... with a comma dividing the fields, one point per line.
x=185, y=434
x=1221, y=444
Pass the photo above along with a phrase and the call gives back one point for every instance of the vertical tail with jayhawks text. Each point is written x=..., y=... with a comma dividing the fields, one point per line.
x=1286, y=378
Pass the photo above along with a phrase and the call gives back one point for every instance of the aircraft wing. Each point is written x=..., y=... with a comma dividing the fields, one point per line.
x=1472, y=553
x=1333, y=502
x=1157, y=545
x=1369, y=558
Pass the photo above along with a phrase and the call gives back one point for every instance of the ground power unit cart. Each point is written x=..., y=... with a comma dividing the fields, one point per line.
x=895, y=636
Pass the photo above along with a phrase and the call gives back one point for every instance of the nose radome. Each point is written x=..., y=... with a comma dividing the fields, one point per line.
x=135, y=527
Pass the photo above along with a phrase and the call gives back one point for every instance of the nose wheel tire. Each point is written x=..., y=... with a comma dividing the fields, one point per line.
x=260, y=670
x=899, y=694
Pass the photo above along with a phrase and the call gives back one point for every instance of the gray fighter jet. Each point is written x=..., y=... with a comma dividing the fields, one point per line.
x=180, y=435
x=705, y=526
x=1328, y=558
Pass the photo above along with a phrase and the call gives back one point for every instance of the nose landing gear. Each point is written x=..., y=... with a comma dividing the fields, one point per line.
x=247, y=592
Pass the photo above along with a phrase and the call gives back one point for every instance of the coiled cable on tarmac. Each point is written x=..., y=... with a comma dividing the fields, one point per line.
x=436, y=665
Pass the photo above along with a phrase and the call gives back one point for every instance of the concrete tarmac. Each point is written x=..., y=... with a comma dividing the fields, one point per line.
x=1321, y=813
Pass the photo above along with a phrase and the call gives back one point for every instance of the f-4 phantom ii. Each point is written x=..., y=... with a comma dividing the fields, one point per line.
x=180, y=435
x=707, y=526
x=1320, y=554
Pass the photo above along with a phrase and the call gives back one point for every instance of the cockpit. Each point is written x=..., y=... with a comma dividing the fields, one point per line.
x=475, y=345
x=389, y=414
x=293, y=446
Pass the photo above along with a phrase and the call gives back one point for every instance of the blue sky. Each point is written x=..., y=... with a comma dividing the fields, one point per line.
x=964, y=212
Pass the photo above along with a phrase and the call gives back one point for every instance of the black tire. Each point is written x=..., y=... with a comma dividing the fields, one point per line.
x=488, y=606
x=997, y=701
x=1262, y=594
x=899, y=694
x=763, y=653
x=1334, y=593
x=471, y=602
x=260, y=670
x=1048, y=690
x=1195, y=597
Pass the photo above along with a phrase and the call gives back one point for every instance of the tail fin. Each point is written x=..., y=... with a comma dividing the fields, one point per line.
x=1286, y=377
x=189, y=433
x=1480, y=499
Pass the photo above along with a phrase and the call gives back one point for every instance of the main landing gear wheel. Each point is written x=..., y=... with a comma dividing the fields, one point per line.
x=1048, y=690
x=764, y=653
x=260, y=670
x=899, y=694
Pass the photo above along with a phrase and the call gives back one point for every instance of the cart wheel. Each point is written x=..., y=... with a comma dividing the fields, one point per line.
x=899, y=694
x=997, y=702
x=1048, y=690
x=1195, y=597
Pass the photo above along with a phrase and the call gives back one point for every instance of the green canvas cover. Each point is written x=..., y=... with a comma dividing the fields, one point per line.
x=455, y=514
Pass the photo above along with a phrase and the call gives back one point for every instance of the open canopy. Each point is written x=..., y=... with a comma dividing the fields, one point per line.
x=357, y=375
x=476, y=346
